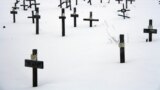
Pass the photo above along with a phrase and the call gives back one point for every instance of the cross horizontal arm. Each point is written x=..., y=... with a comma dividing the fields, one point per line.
x=150, y=31
x=35, y=64
x=90, y=19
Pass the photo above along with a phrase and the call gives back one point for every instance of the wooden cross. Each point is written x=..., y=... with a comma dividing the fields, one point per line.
x=63, y=17
x=119, y=1
x=150, y=30
x=90, y=19
x=14, y=15
x=24, y=5
x=122, y=49
x=123, y=10
x=32, y=17
x=74, y=15
x=35, y=64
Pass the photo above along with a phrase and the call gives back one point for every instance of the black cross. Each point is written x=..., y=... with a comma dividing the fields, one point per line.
x=90, y=19
x=119, y=1
x=32, y=17
x=24, y=5
x=37, y=17
x=14, y=15
x=123, y=10
x=74, y=15
x=34, y=63
x=122, y=49
x=63, y=17
x=150, y=30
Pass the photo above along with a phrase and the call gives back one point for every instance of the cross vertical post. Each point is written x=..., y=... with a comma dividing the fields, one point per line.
x=74, y=15
x=34, y=57
x=32, y=17
x=63, y=17
x=14, y=15
x=122, y=49
x=76, y=2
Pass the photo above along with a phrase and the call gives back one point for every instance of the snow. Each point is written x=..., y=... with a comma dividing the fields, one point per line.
x=86, y=58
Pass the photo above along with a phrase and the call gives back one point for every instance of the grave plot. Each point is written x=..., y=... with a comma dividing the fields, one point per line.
x=111, y=55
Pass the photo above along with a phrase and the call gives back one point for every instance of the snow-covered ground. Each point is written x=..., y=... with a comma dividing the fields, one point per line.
x=87, y=58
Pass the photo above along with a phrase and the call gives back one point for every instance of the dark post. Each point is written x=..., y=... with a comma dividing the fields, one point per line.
x=76, y=2
x=37, y=10
x=122, y=49
x=70, y=5
x=37, y=23
x=150, y=27
x=14, y=15
x=63, y=17
x=126, y=4
x=74, y=15
x=34, y=57
x=101, y=1
x=90, y=17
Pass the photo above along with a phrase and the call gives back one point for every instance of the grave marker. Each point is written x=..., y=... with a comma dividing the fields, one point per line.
x=32, y=17
x=14, y=15
x=34, y=63
x=123, y=10
x=150, y=30
x=63, y=17
x=74, y=15
x=90, y=19
x=24, y=5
